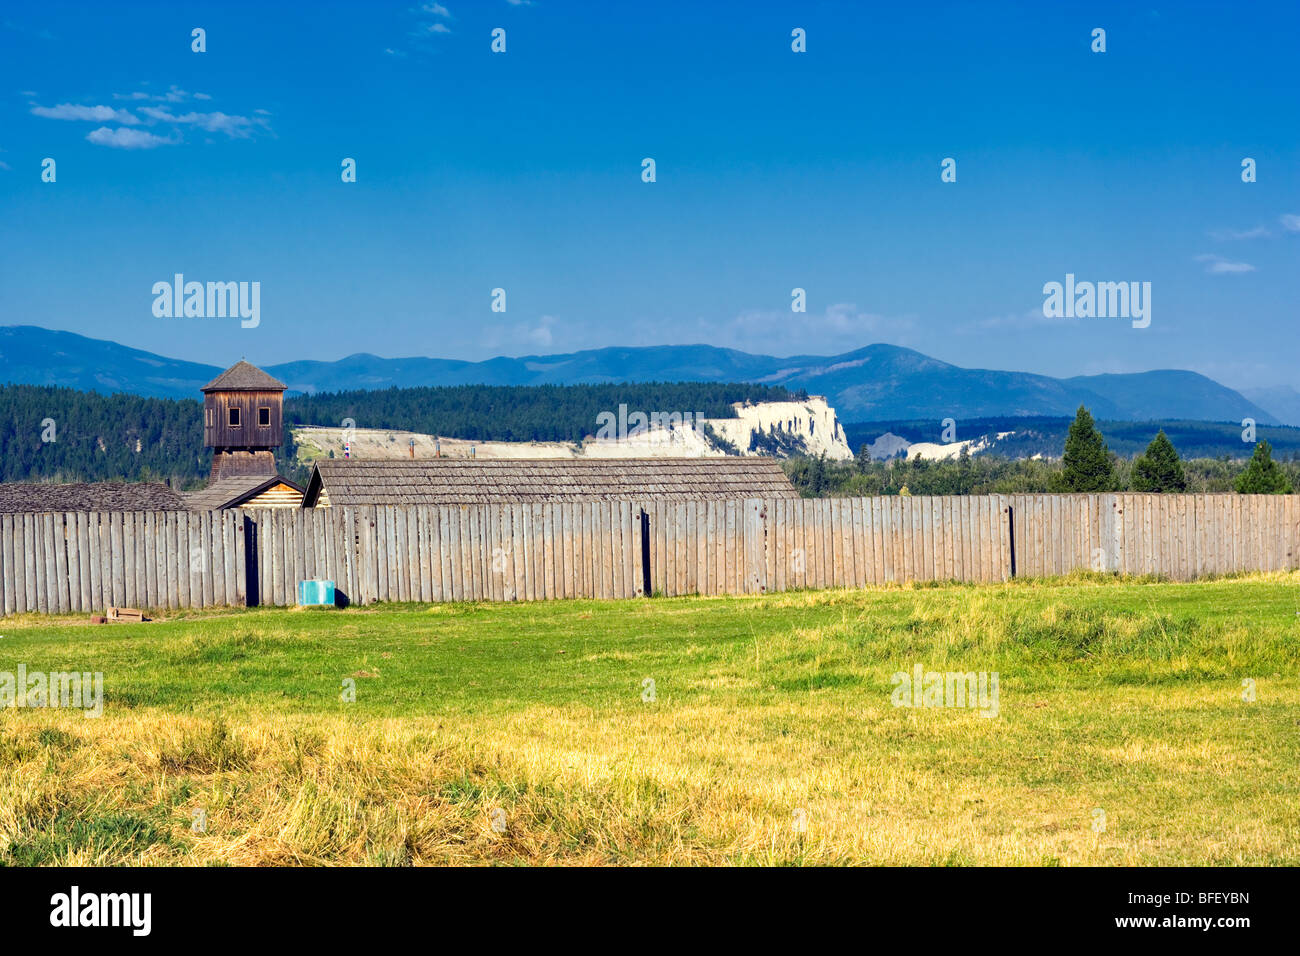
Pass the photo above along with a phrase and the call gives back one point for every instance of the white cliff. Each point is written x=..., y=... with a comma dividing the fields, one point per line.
x=777, y=428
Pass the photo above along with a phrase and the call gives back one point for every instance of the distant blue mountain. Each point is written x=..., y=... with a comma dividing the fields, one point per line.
x=1282, y=400
x=875, y=383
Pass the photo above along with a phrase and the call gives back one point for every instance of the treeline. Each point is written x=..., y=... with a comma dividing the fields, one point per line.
x=1041, y=435
x=1086, y=464
x=48, y=433
x=984, y=475
x=564, y=413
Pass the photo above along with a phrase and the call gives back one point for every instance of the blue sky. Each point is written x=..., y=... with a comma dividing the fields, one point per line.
x=775, y=170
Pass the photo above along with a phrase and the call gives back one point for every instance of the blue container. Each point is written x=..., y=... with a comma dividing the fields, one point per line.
x=316, y=593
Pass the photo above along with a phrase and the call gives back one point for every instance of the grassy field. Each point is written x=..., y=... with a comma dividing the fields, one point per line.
x=523, y=734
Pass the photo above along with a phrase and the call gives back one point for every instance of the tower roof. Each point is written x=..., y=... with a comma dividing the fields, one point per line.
x=244, y=377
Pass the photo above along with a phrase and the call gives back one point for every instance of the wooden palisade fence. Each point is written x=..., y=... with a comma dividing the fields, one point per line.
x=89, y=560
x=758, y=545
x=519, y=552
x=1178, y=536
x=85, y=561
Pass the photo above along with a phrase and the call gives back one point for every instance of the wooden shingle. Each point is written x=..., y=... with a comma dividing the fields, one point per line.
x=26, y=497
x=446, y=481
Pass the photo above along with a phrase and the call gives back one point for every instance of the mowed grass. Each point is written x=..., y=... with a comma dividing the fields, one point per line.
x=520, y=734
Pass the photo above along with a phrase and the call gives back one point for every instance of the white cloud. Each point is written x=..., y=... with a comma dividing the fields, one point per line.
x=5, y=166
x=95, y=114
x=1228, y=235
x=539, y=335
x=127, y=138
x=1029, y=319
x=1217, y=265
x=542, y=334
x=841, y=327
x=1289, y=221
x=424, y=29
x=174, y=94
x=236, y=127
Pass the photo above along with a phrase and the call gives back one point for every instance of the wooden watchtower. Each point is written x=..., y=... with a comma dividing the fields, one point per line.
x=243, y=421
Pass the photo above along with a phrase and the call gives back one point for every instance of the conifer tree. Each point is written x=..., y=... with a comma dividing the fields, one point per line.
x=1087, y=464
x=1159, y=468
x=1263, y=476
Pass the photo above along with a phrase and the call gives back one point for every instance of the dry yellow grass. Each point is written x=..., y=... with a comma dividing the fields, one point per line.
x=750, y=754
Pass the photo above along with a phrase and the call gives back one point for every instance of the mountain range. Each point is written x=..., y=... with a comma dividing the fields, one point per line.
x=874, y=383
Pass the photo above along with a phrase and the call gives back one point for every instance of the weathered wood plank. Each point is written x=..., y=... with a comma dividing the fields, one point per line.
x=78, y=562
x=25, y=527
x=220, y=564
x=241, y=559
x=589, y=547
x=203, y=586
x=62, y=594
x=600, y=547
x=132, y=552
x=143, y=554
x=631, y=560
x=423, y=557
x=43, y=571
x=433, y=551
x=450, y=517
x=618, y=587
x=519, y=555
x=146, y=558
x=72, y=562
x=8, y=580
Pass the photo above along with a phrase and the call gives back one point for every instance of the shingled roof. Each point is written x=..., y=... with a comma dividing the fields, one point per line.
x=451, y=481
x=232, y=492
x=244, y=377
x=25, y=497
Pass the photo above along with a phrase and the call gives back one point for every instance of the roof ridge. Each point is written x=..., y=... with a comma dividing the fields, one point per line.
x=244, y=376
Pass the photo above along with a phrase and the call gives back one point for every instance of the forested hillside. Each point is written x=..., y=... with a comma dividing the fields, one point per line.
x=520, y=412
x=94, y=437
x=61, y=434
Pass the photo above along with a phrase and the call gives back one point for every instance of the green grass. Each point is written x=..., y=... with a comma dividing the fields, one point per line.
x=1120, y=695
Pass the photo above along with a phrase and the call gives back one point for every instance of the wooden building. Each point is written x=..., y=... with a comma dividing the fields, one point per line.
x=452, y=481
x=24, y=497
x=243, y=421
x=252, y=491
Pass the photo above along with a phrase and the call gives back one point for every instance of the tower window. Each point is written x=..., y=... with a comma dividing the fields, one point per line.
x=234, y=417
x=264, y=417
